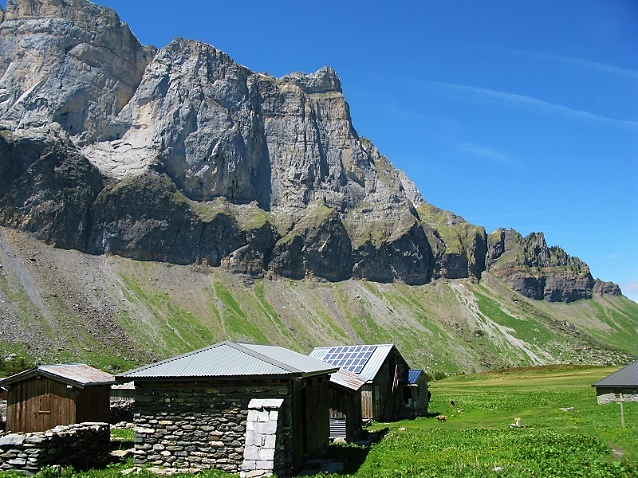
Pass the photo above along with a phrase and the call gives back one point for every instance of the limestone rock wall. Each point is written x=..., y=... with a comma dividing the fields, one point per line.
x=537, y=271
x=73, y=62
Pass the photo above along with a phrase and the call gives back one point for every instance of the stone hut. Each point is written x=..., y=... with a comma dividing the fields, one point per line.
x=253, y=409
x=50, y=395
x=620, y=386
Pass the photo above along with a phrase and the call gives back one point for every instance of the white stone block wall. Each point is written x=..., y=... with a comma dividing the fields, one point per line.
x=263, y=434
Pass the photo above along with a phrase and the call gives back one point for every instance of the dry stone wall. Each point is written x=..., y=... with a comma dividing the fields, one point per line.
x=203, y=425
x=84, y=445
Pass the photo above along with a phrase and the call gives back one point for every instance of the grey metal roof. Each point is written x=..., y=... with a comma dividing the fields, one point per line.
x=80, y=375
x=625, y=377
x=346, y=379
x=230, y=360
x=371, y=366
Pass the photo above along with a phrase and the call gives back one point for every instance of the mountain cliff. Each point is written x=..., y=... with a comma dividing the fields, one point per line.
x=182, y=156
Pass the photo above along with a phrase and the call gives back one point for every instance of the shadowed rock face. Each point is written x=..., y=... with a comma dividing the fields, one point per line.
x=52, y=197
x=182, y=155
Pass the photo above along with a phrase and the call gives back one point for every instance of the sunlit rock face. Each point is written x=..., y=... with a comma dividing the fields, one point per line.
x=184, y=156
x=69, y=62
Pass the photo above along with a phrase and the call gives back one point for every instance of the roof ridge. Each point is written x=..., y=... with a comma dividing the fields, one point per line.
x=242, y=347
x=172, y=359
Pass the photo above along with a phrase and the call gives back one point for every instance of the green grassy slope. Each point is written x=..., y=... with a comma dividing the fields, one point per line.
x=115, y=313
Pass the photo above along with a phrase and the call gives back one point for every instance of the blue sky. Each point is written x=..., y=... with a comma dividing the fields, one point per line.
x=520, y=114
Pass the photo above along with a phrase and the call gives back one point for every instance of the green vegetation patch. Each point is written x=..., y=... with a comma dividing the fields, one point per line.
x=479, y=453
x=247, y=217
x=530, y=331
x=362, y=229
x=622, y=324
x=458, y=235
x=14, y=359
x=316, y=215
x=177, y=328
x=260, y=294
x=563, y=432
x=236, y=322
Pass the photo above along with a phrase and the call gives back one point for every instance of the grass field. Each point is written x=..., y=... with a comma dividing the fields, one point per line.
x=564, y=432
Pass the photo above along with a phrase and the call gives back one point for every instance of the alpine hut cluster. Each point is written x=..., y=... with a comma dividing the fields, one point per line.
x=252, y=409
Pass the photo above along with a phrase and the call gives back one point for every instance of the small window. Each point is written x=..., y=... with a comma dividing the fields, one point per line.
x=45, y=404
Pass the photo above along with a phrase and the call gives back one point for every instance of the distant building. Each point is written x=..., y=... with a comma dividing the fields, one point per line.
x=619, y=386
x=388, y=389
x=50, y=395
x=416, y=396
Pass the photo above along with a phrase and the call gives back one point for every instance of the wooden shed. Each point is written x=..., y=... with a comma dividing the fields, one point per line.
x=345, y=404
x=385, y=371
x=50, y=395
x=416, y=396
x=240, y=407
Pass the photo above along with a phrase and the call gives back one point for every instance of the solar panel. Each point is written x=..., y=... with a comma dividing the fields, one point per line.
x=352, y=358
x=357, y=357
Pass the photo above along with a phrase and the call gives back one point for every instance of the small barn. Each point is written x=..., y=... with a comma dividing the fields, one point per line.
x=50, y=395
x=345, y=404
x=233, y=406
x=386, y=374
x=620, y=386
x=416, y=396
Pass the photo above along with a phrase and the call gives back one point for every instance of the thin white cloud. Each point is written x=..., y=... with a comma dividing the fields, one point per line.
x=457, y=91
x=533, y=105
x=591, y=66
x=484, y=152
x=630, y=289
x=518, y=214
x=613, y=256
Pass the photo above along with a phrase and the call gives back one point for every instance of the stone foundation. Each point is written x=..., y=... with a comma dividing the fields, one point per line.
x=628, y=396
x=84, y=445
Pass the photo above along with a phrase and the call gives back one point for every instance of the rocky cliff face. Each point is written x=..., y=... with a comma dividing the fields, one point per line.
x=181, y=155
x=531, y=268
x=71, y=63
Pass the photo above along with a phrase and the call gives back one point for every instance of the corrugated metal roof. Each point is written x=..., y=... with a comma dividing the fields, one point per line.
x=349, y=380
x=625, y=377
x=231, y=360
x=73, y=374
x=371, y=367
x=413, y=376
